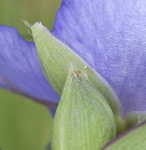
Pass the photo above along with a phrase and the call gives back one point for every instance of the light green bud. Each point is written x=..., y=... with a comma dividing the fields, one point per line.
x=55, y=58
x=84, y=120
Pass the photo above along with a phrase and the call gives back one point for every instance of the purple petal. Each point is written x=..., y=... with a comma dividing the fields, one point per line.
x=111, y=36
x=20, y=68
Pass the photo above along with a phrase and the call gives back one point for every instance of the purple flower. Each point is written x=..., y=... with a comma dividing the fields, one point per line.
x=109, y=35
x=20, y=70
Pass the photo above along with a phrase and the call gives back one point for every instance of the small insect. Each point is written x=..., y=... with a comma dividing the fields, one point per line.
x=79, y=73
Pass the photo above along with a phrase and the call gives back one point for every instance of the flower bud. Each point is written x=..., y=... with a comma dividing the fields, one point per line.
x=84, y=120
x=56, y=58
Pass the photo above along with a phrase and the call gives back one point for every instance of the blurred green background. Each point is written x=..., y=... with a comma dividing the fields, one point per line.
x=24, y=125
x=13, y=12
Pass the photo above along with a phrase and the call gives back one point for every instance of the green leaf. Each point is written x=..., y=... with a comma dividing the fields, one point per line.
x=55, y=59
x=83, y=121
x=24, y=124
x=134, y=139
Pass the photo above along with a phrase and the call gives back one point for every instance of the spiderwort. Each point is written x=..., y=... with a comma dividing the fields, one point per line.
x=119, y=38
x=74, y=112
x=60, y=58
x=109, y=35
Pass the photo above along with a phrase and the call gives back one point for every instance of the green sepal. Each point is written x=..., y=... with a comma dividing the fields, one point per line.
x=83, y=120
x=55, y=58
